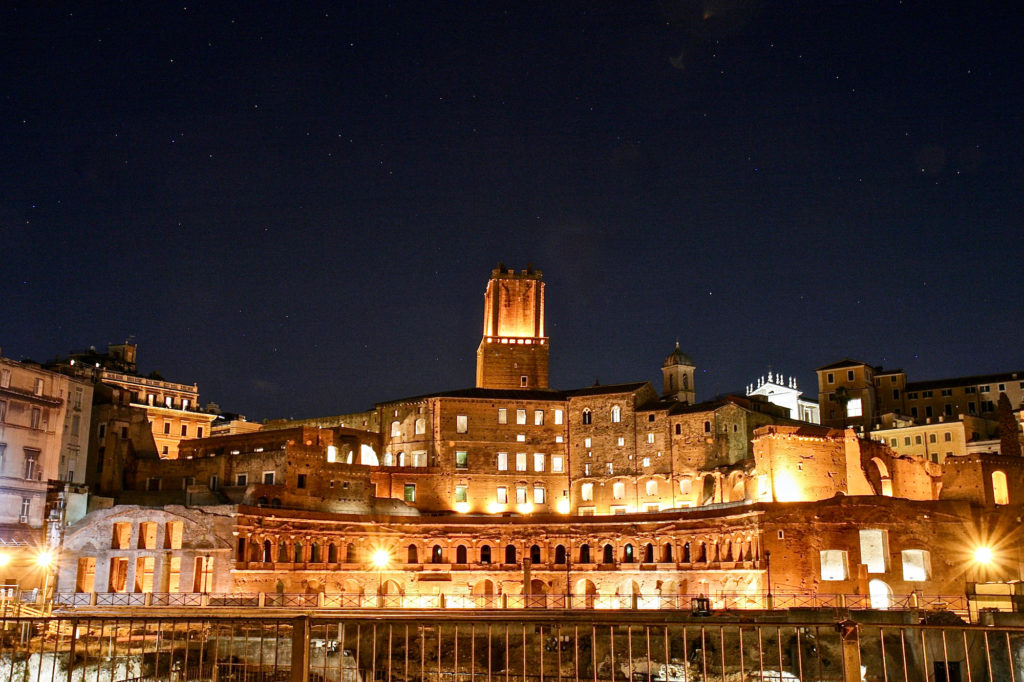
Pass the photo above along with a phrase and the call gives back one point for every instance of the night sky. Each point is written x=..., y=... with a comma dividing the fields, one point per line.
x=297, y=205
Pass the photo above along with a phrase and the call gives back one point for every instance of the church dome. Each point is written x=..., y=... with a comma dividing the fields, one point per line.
x=677, y=357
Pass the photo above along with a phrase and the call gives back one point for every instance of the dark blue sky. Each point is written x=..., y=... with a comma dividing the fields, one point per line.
x=297, y=205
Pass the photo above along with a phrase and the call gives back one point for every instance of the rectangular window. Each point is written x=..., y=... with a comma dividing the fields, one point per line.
x=830, y=378
x=917, y=564
x=520, y=494
x=874, y=550
x=121, y=535
x=462, y=423
x=947, y=436
x=834, y=565
x=268, y=478
x=538, y=461
x=849, y=375
x=928, y=411
x=558, y=417
x=147, y=535
x=520, y=416
x=618, y=490
x=539, y=496
x=86, y=578
x=646, y=461
x=153, y=484
x=502, y=415
x=460, y=493
x=214, y=482
x=461, y=459
x=520, y=461
x=187, y=481
x=917, y=440
x=184, y=430
x=241, y=479
x=31, y=463
x=586, y=442
x=587, y=492
x=611, y=469
x=199, y=432
x=557, y=464
x=167, y=427
x=36, y=417
x=5, y=378
x=931, y=438
x=502, y=461
x=538, y=417
x=410, y=492
x=300, y=481
x=586, y=468
x=853, y=408
x=892, y=442
x=621, y=441
x=39, y=387
x=650, y=437
x=502, y=495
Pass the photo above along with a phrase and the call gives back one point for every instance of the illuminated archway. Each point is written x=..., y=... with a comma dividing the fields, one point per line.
x=881, y=594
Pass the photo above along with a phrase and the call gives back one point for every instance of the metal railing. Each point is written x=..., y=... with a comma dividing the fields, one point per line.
x=486, y=647
x=718, y=602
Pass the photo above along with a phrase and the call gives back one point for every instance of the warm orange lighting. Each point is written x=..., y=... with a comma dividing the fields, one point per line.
x=462, y=507
x=495, y=508
x=381, y=558
x=5, y=558
x=983, y=555
x=44, y=559
x=525, y=508
x=786, y=489
x=563, y=506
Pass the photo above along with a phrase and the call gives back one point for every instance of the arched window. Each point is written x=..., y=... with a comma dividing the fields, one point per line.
x=587, y=417
x=1000, y=494
x=388, y=459
x=707, y=427
x=282, y=552
x=616, y=414
x=510, y=554
x=485, y=554
x=396, y=429
x=412, y=557
x=535, y=554
x=421, y=426
x=686, y=553
x=314, y=553
x=584, y=554
x=666, y=554
x=609, y=555
x=649, y=554
x=298, y=552
x=267, y=548
x=350, y=553
x=703, y=556
x=436, y=555
x=460, y=555
x=686, y=382
x=262, y=501
x=332, y=553
x=559, y=554
x=627, y=554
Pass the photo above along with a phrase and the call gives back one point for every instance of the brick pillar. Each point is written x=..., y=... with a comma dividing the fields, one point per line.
x=849, y=633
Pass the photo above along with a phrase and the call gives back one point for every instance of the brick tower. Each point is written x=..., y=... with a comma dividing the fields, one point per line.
x=513, y=352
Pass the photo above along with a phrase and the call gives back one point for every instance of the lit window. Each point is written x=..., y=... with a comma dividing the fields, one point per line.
x=520, y=494
x=622, y=441
x=618, y=490
x=833, y=565
x=586, y=443
x=461, y=423
x=502, y=461
x=616, y=414
x=538, y=461
x=502, y=415
x=410, y=492
x=586, y=468
x=520, y=416
x=611, y=469
x=999, y=491
x=917, y=564
x=587, y=492
x=557, y=464
x=853, y=408
x=502, y=496
x=647, y=461
x=650, y=437
x=538, y=417
x=538, y=494
x=558, y=417
x=396, y=429
x=520, y=461
x=460, y=493
x=874, y=550
x=332, y=453
x=586, y=415
x=461, y=459
x=520, y=437
x=421, y=426
x=652, y=487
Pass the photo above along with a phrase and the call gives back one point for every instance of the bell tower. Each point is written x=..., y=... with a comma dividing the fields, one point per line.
x=677, y=371
x=513, y=352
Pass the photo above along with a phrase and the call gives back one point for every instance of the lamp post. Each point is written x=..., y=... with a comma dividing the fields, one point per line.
x=381, y=558
x=768, y=569
x=45, y=562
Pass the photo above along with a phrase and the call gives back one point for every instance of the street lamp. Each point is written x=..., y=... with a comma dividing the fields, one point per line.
x=381, y=558
x=45, y=562
x=768, y=569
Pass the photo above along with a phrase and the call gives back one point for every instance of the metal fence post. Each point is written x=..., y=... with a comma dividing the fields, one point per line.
x=849, y=633
x=300, y=649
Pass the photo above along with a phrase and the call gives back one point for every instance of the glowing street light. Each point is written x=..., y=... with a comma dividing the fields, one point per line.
x=983, y=555
x=44, y=559
x=380, y=559
x=5, y=558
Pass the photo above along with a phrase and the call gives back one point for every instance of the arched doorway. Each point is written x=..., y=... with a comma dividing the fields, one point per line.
x=483, y=594
x=586, y=591
x=628, y=592
x=537, y=598
x=881, y=594
x=391, y=594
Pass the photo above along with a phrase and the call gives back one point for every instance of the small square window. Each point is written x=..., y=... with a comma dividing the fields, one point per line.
x=462, y=423
x=502, y=415
x=410, y=492
x=461, y=459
